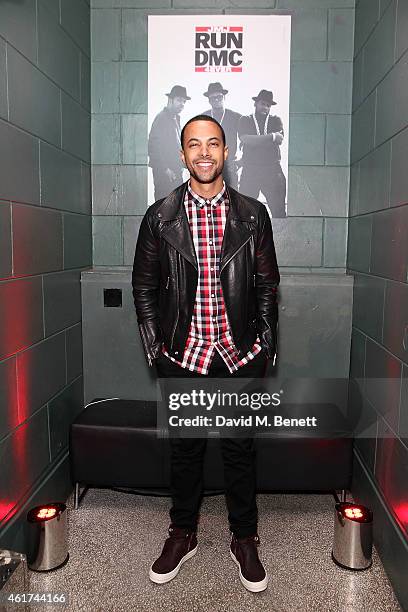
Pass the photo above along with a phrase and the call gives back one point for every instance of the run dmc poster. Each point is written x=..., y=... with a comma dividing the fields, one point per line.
x=235, y=68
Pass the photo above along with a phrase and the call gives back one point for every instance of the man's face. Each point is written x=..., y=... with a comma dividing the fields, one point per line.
x=203, y=151
x=217, y=101
x=177, y=104
x=262, y=107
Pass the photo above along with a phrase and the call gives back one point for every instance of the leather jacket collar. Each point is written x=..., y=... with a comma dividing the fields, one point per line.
x=176, y=230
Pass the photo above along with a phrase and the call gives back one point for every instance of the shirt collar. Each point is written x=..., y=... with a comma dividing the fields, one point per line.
x=200, y=201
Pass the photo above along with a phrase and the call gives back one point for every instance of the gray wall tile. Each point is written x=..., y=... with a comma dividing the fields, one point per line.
x=42, y=116
x=354, y=200
x=60, y=179
x=17, y=297
x=298, y=242
x=379, y=50
x=19, y=168
x=358, y=80
x=105, y=87
x=399, y=174
x=294, y=4
x=383, y=382
x=357, y=355
x=37, y=240
x=392, y=102
x=133, y=87
x=105, y=35
x=321, y=87
x=367, y=426
x=396, y=319
x=85, y=67
x=390, y=228
x=338, y=135
x=403, y=423
x=318, y=191
x=130, y=3
x=58, y=56
x=8, y=396
x=131, y=226
x=43, y=362
x=309, y=34
x=77, y=241
x=76, y=133
x=334, y=242
x=225, y=3
x=119, y=190
x=375, y=180
x=62, y=300
x=391, y=470
x=107, y=241
x=368, y=305
x=5, y=240
x=20, y=470
x=18, y=26
x=106, y=139
x=307, y=139
x=366, y=19
x=62, y=411
x=134, y=139
x=341, y=34
x=363, y=128
x=85, y=192
x=359, y=243
x=74, y=351
x=3, y=81
x=402, y=30
x=75, y=18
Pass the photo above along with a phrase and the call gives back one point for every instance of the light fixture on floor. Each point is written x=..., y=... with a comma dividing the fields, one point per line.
x=48, y=540
x=353, y=536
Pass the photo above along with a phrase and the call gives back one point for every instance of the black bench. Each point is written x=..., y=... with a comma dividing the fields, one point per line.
x=114, y=443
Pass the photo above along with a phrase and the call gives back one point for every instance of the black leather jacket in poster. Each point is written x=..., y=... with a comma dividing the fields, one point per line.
x=165, y=275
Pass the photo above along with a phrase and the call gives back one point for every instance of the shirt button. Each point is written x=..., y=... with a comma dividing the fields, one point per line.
x=176, y=352
x=213, y=295
x=209, y=215
x=214, y=318
x=212, y=269
x=210, y=242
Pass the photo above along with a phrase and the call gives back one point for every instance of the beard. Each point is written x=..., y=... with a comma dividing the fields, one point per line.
x=205, y=176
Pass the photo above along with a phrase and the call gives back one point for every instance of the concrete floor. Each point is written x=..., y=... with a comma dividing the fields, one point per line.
x=114, y=537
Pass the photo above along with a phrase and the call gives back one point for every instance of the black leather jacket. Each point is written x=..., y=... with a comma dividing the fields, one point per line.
x=165, y=275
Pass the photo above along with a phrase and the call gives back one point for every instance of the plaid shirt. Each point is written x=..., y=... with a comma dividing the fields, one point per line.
x=209, y=329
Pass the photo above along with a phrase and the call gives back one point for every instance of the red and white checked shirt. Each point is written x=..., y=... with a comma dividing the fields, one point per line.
x=209, y=329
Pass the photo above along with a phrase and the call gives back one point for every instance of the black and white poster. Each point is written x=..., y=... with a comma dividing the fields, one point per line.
x=235, y=68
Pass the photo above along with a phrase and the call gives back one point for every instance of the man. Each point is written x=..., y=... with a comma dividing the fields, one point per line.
x=164, y=144
x=229, y=120
x=204, y=282
x=261, y=135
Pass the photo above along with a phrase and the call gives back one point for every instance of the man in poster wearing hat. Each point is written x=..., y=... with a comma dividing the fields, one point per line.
x=229, y=120
x=164, y=144
x=261, y=135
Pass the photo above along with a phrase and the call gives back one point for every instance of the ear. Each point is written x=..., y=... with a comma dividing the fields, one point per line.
x=182, y=157
x=226, y=152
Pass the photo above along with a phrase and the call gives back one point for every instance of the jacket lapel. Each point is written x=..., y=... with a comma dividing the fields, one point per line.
x=176, y=229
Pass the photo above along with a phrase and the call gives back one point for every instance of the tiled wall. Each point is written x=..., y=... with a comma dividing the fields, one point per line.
x=378, y=243
x=45, y=235
x=313, y=238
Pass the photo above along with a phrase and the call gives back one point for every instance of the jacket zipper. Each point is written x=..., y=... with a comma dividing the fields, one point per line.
x=254, y=281
x=177, y=292
x=226, y=308
x=144, y=339
x=168, y=280
x=242, y=245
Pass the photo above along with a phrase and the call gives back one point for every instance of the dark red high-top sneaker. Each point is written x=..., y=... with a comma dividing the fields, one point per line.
x=180, y=545
x=244, y=552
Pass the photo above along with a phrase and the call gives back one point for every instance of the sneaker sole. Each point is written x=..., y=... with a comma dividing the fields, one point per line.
x=163, y=578
x=254, y=587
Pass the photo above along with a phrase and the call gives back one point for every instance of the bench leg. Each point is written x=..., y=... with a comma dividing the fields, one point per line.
x=76, y=496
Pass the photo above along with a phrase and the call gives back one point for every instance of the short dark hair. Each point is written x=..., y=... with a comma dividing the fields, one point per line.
x=202, y=118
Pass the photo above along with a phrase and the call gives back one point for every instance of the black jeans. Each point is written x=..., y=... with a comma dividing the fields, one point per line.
x=238, y=455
